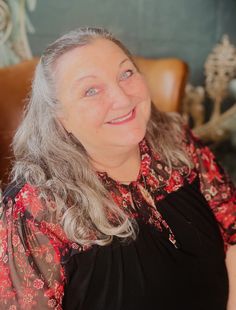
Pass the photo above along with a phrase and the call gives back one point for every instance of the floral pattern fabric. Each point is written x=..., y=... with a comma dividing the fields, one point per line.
x=216, y=187
x=31, y=276
x=33, y=246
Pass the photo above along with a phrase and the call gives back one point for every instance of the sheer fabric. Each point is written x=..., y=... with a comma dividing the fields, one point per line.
x=184, y=218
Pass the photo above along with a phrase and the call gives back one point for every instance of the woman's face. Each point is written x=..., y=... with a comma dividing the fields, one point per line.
x=104, y=98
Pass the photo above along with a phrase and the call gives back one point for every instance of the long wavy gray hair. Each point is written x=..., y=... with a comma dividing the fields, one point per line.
x=49, y=159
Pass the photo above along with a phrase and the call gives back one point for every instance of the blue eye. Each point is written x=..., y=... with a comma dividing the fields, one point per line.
x=91, y=92
x=126, y=74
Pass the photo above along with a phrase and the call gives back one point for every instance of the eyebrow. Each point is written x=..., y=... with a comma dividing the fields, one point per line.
x=94, y=76
x=123, y=61
x=85, y=77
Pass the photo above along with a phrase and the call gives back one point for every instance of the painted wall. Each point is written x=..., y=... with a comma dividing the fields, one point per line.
x=155, y=28
x=187, y=29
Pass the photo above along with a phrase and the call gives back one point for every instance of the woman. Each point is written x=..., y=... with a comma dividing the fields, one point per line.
x=112, y=207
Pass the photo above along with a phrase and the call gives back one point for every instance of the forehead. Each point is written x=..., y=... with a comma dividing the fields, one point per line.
x=97, y=52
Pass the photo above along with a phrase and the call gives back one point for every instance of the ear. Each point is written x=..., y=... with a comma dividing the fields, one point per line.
x=63, y=118
x=64, y=121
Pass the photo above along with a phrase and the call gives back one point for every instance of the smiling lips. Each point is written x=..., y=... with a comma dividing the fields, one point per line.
x=123, y=119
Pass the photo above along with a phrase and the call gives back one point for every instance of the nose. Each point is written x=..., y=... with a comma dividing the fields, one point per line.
x=119, y=97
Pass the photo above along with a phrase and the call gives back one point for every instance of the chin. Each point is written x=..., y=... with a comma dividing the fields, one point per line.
x=133, y=138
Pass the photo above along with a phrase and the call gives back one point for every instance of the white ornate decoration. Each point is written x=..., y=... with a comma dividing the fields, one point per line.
x=14, y=24
x=220, y=69
x=5, y=22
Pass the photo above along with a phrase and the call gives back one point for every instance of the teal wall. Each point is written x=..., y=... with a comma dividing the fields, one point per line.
x=187, y=29
x=155, y=28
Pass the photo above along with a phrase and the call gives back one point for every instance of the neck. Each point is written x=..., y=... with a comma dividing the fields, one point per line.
x=122, y=165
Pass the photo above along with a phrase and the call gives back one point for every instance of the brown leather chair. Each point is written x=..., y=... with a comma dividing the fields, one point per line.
x=165, y=77
x=15, y=83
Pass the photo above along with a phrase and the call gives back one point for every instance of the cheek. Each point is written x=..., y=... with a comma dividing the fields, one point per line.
x=143, y=94
x=139, y=89
x=90, y=115
x=144, y=89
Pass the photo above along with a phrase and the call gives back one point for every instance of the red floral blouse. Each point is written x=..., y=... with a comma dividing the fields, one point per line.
x=33, y=245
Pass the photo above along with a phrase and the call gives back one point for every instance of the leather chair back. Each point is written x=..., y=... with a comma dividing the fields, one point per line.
x=15, y=84
x=166, y=79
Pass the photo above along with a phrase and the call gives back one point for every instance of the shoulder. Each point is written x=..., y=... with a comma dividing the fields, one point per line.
x=19, y=191
x=23, y=207
x=12, y=190
x=22, y=200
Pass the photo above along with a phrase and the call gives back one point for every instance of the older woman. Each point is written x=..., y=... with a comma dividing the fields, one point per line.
x=112, y=206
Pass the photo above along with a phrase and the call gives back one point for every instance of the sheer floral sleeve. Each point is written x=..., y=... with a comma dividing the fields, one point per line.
x=216, y=187
x=31, y=275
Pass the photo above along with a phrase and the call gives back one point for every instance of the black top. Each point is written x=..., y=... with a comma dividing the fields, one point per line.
x=186, y=221
x=150, y=273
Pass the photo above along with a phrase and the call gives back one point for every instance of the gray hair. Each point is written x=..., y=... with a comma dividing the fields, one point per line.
x=58, y=166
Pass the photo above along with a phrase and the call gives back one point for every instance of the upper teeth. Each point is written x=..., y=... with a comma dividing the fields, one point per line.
x=122, y=118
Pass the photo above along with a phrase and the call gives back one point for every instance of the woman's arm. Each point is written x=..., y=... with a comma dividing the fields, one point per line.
x=231, y=267
x=31, y=275
x=216, y=187
x=220, y=193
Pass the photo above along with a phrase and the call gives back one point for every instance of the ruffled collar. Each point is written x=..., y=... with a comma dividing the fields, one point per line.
x=139, y=199
x=146, y=159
